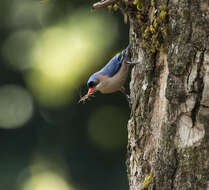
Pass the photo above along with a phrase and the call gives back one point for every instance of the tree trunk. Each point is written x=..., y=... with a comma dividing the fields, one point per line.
x=168, y=131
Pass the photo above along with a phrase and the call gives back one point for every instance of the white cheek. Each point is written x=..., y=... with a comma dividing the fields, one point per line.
x=98, y=86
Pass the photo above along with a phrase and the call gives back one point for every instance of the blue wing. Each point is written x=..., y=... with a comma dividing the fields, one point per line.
x=115, y=63
x=112, y=66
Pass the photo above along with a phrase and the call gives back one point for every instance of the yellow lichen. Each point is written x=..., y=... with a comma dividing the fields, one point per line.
x=146, y=33
x=135, y=2
x=163, y=15
x=115, y=7
x=162, y=7
x=139, y=4
x=148, y=179
x=155, y=33
x=152, y=29
x=152, y=49
x=155, y=23
x=164, y=32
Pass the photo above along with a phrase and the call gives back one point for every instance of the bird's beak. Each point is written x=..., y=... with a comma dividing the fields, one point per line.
x=91, y=90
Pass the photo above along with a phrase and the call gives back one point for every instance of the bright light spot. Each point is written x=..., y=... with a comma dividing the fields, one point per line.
x=17, y=47
x=107, y=128
x=46, y=181
x=65, y=54
x=45, y=173
x=16, y=106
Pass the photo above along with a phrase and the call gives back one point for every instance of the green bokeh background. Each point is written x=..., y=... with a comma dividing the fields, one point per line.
x=48, y=50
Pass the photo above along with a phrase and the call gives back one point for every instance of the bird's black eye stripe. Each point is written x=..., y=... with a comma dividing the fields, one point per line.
x=91, y=84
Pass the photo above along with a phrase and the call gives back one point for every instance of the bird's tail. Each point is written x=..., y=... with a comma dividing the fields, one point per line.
x=126, y=52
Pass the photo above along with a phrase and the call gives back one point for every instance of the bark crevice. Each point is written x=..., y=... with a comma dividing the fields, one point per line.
x=200, y=87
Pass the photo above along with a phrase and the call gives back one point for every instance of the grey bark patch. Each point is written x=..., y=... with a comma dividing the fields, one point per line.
x=188, y=135
x=205, y=94
x=160, y=105
x=188, y=106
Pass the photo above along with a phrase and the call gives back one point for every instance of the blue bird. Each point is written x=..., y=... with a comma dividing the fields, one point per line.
x=112, y=76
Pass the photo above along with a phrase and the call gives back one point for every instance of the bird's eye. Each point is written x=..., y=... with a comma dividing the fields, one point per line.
x=95, y=82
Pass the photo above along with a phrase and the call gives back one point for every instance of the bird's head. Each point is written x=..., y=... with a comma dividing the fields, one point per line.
x=92, y=83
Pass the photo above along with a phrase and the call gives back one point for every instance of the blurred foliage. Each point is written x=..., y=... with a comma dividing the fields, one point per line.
x=48, y=50
x=59, y=69
x=16, y=106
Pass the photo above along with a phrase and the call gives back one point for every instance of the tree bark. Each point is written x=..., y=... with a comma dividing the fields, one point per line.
x=168, y=131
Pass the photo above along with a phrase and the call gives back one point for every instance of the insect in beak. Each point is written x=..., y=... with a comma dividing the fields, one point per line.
x=91, y=90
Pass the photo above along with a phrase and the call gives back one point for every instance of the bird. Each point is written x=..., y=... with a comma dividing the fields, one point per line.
x=112, y=76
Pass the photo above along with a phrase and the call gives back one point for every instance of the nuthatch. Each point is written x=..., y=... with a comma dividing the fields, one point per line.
x=112, y=76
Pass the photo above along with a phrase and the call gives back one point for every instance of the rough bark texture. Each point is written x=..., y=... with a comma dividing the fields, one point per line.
x=168, y=132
